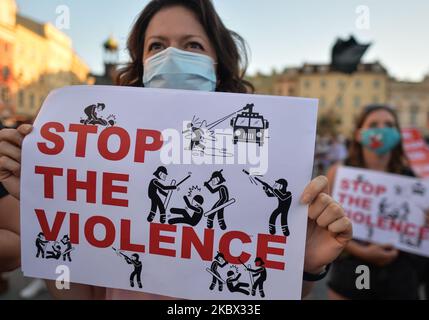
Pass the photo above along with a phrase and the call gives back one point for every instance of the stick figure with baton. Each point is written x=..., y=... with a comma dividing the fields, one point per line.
x=219, y=261
x=216, y=185
x=157, y=189
x=170, y=192
x=247, y=268
x=261, y=276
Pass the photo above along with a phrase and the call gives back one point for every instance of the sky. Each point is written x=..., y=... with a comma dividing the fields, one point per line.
x=280, y=33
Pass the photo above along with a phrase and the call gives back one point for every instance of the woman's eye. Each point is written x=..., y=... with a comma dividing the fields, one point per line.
x=195, y=46
x=156, y=46
x=373, y=125
x=389, y=124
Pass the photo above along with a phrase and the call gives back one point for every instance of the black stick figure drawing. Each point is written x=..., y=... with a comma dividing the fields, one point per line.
x=219, y=261
x=66, y=241
x=137, y=264
x=192, y=214
x=94, y=119
x=197, y=136
x=234, y=285
x=41, y=245
x=155, y=191
x=284, y=197
x=216, y=185
x=260, y=275
x=55, y=253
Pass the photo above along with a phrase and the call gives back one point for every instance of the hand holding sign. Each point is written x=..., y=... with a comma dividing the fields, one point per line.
x=328, y=229
x=10, y=157
x=379, y=255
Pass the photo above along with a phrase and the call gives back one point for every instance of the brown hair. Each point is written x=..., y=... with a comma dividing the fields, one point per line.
x=230, y=48
x=398, y=161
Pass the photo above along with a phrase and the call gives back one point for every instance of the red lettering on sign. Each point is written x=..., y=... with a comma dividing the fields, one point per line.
x=225, y=244
x=142, y=144
x=155, y=239
x=204, y=249
x=264, y=249
x=82, y=136
x=52, y=137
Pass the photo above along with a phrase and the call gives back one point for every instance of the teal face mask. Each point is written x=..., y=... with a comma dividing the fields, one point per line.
x=381, y=140
x=177, y=69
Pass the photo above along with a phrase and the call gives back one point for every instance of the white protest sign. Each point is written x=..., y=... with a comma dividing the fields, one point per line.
x=385, y=208
x=178, y=193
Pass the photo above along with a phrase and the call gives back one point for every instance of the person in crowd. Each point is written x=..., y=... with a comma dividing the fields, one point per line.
x=337, y=150
x=376, y=145
x=190, y=36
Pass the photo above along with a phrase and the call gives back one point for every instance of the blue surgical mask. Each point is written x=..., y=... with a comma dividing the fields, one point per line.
x=177, y=69
x=381, y=140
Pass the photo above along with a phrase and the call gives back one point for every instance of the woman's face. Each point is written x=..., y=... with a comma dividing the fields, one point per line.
x=179, y=28
x=377, y=119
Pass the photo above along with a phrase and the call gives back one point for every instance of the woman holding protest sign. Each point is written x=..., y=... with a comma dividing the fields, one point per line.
x=183, y=44
x=376, y=145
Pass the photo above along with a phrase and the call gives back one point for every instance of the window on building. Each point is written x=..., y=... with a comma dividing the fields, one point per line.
x=21, y=99
x=358, y=83
x=414, y=115
x=322, y=102
x=341, y=84
x=377, y=84
x=5, y=95
x=340, y=101
x=357, y=102
x=323, y=69
x=307, y=84
x=375, y=99
x=5, y=73
x=32, y=101
x=323, y=83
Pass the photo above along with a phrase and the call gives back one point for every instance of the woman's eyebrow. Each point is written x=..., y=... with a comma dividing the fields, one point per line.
x=189, y=36
x=157, y=37
x=183, y=38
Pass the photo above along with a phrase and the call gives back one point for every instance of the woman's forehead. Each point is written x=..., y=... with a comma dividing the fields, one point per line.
x=175, y=22
x=380, y=115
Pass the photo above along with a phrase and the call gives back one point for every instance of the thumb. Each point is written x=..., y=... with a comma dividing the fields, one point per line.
x=25, y=129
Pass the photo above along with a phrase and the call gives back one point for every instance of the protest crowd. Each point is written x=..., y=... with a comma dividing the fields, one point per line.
x=214, y=59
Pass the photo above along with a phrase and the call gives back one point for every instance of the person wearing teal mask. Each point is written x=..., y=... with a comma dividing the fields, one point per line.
x=183, y=44
x=380, y=140
x=376, y=145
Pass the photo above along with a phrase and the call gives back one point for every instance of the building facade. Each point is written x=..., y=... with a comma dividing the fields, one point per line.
x=41, y=58
x=340, y=95
x=411, y=100
x=7, y=41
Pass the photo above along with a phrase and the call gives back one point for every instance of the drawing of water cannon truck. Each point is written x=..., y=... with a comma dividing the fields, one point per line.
x=249, y=126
